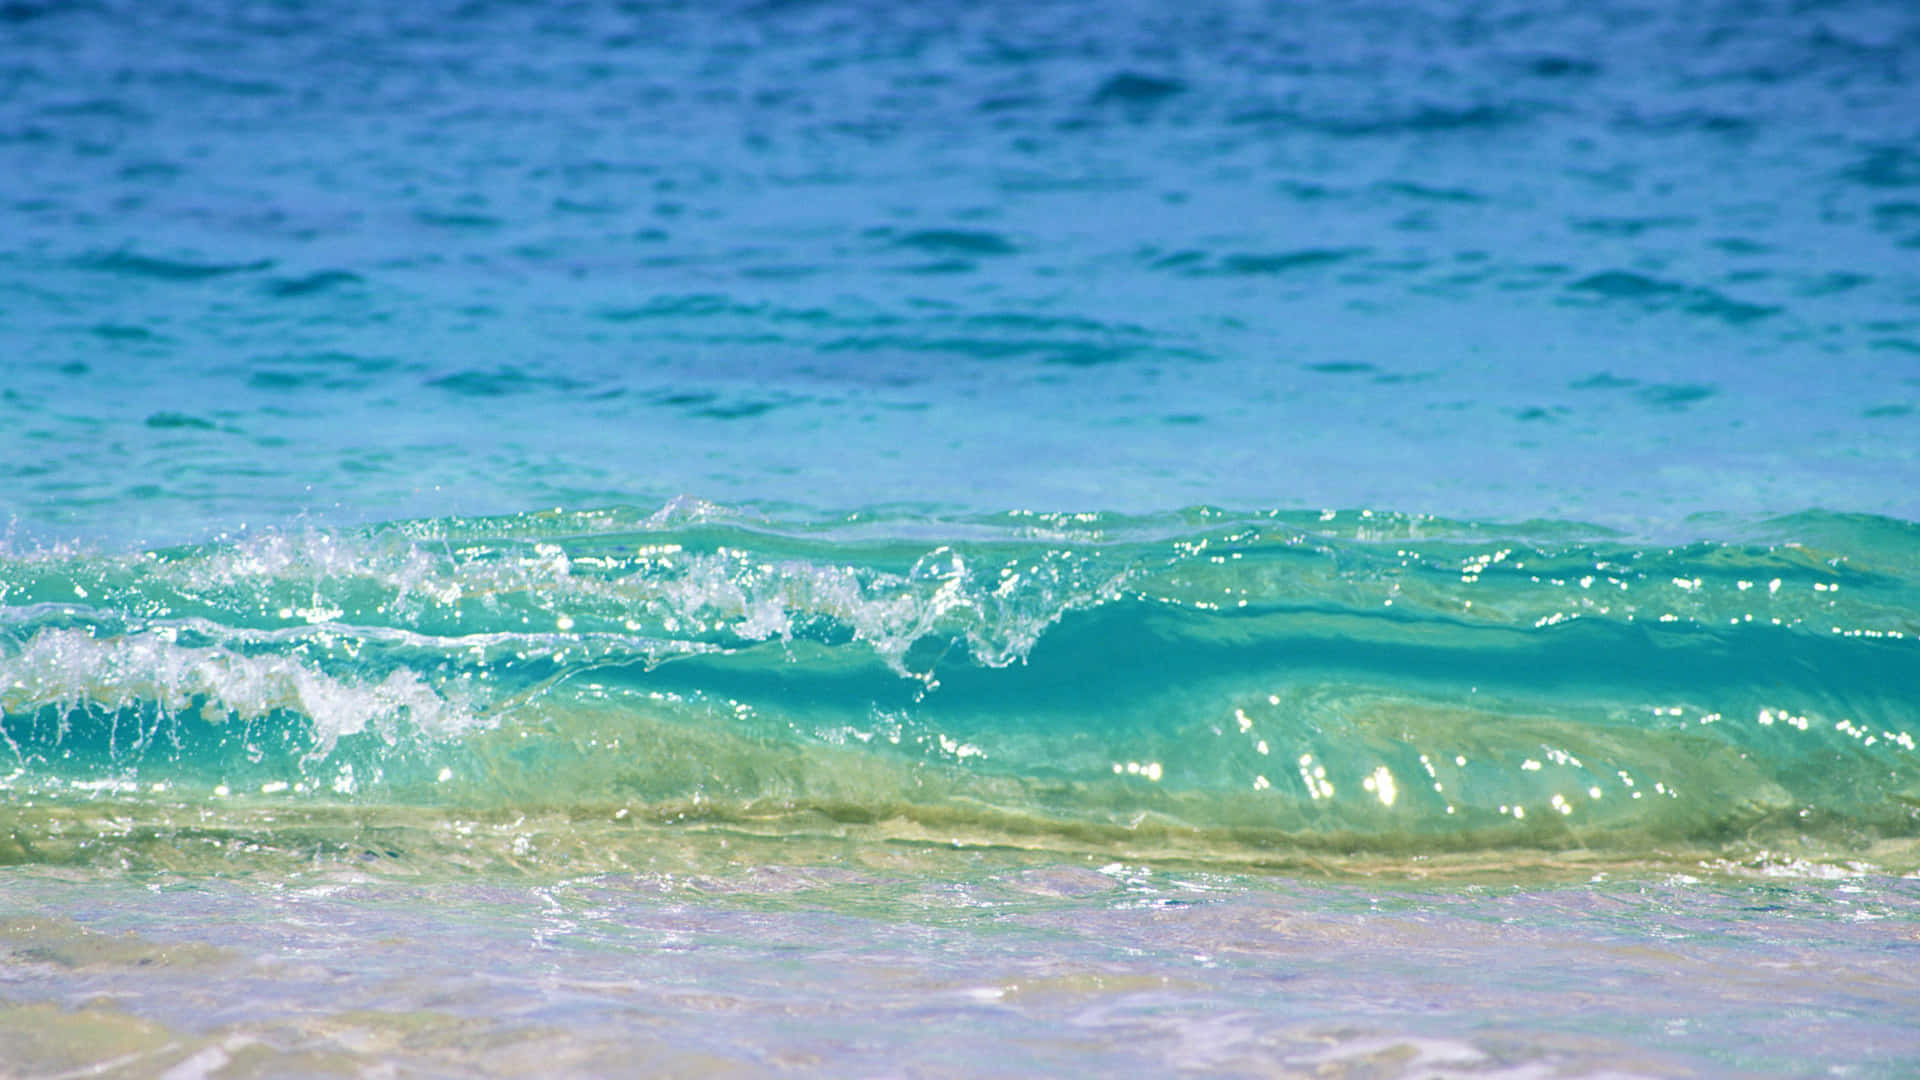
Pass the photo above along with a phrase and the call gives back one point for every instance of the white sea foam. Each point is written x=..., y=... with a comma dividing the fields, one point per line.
x=71, y=668
x=717, y=597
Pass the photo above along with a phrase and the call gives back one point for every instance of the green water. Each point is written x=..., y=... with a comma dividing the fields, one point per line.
x=1209, y=687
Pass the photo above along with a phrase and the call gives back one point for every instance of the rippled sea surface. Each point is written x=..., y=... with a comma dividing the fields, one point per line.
x=883, y=539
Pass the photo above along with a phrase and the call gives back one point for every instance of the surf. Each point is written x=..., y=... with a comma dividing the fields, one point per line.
x=1222, y=686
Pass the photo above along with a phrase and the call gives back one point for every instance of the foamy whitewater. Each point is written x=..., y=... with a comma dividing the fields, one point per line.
x=868, y=539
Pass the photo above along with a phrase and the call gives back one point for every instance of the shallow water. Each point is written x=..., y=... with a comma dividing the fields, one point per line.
x=853, y=538
x=970, y=969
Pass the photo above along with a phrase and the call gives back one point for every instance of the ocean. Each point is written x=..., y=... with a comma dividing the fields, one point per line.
x=860, y=538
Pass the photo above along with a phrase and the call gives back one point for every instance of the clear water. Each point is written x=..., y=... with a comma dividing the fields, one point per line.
x=889, y=971
x=874, y=539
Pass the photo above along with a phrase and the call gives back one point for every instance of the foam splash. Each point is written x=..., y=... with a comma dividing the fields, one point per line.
x=684, y=591
x=70, y=669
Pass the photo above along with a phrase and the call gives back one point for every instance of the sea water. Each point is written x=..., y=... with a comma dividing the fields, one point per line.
x=880, y=539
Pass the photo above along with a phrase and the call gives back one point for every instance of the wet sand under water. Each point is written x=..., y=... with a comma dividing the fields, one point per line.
x=912, y=962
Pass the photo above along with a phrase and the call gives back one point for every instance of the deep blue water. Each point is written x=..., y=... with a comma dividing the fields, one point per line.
x=1618, y=264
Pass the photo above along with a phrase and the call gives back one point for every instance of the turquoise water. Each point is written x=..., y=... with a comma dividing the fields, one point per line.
x=1206, y=686
x=909, y=532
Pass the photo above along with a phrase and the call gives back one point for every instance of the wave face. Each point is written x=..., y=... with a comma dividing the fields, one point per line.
x=1233, y=688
